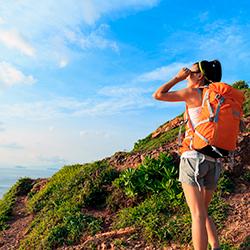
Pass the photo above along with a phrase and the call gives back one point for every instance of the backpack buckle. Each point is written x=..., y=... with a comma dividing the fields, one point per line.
x=218, y=96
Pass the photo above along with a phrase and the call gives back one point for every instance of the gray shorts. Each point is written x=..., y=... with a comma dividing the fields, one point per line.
x=208, y=176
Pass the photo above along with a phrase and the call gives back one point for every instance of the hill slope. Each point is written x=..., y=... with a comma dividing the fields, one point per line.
x=130, y=200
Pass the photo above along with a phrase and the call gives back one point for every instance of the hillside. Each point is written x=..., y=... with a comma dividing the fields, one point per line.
x=130, y=200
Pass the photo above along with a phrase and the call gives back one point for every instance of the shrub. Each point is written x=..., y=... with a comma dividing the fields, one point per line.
x=152, y=176
x=240, y=84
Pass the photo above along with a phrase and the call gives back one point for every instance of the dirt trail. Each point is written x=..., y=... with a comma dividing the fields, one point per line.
x=237, y=227
x=235, y=231
x=10, y=238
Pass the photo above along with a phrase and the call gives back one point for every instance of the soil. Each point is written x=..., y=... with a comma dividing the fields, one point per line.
x=10, y=238
x=235, y=231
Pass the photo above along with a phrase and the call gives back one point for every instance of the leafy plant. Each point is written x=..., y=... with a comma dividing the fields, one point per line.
x=152, y=176
x=225, y=184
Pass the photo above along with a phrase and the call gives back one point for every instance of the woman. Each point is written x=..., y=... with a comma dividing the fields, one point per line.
x=198, y=189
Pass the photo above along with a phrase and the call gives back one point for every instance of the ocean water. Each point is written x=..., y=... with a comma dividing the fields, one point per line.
x=9, y=176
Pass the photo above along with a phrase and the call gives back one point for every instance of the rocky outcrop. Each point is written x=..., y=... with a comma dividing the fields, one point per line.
x=174, y=123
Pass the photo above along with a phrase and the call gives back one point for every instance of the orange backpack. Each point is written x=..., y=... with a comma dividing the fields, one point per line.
x=217, y=130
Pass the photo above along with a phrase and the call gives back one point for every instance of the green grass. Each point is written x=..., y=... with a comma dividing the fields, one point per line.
x=150, y=143
x=21, y=187
x=156, y=219
x=246, y=243
x=161, y=213
x=59, y=218
x=158, y=210
x=160, y=220
x=246, y=106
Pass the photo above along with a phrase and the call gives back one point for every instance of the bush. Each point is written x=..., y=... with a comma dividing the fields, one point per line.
x=152, y=176
x=240, y=84
x=155, y=182
x=163, y=215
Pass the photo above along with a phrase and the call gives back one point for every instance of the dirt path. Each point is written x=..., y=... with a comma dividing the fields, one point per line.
x=237, y=227
x=236, y=230
x=10, y=238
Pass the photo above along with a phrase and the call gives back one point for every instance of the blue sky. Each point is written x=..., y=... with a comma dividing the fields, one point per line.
x=77, y=77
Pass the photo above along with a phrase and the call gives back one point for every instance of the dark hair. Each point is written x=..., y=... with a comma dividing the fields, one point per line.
x=211, y=70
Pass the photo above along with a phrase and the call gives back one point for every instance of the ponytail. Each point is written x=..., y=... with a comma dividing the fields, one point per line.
x=211, y=70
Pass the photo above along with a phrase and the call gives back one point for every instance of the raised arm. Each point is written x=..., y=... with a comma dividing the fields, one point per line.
x=163, y=93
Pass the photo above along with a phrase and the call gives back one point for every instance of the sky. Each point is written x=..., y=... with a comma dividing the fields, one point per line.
x=77, y=76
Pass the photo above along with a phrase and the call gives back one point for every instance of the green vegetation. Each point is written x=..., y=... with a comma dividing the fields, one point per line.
x=243, y=85
x=149, y=198
x=59, y=218
x=240, y=84
x=161, y=215
x=160, y=199
x=246, y=106
x=22, y=187
x=150, y=143
x=226, y=184
x=246, y=175
x=152, y=176
x=245, y=244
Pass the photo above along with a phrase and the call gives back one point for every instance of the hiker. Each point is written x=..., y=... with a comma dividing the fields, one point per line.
x=199, y=181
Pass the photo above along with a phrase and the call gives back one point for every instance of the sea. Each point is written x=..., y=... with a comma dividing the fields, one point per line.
x=10, y=175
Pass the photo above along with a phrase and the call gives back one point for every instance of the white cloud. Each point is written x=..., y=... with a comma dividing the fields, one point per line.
x=2, y=21
x=162, y=73
x=203, y=16
x=93, y=39
x=40, y=22
x=92, y=134
x=56, y=108
x=119, y=91
x=11, y=145
x=94, y=9
x=228, y=38
x=63, y=63
x=2, y=128
x=51, y=159
x=12, y=39
x=51, y=128
x=10, y=76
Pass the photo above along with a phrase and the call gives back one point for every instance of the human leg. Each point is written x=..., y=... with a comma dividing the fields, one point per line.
x=198, y=211
x=210, y=226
